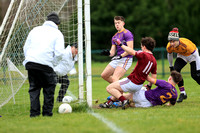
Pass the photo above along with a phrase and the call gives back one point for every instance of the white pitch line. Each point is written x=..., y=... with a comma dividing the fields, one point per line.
x=108, y=123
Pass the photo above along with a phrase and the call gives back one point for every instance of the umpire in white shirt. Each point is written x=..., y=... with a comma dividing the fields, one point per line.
x=44, y=45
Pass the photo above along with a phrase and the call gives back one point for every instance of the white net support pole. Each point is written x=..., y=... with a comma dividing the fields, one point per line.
x=80, y=50
x=88, y=52
x=13, y=95
x=11, y=30
x=6, y=16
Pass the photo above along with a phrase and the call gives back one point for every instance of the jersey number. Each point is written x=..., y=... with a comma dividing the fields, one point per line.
x=162, y=97
x=148, y=67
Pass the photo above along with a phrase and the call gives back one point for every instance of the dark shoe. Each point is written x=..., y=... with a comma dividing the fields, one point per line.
x=59, y=99
x=105, y=105
x=125, y=104
x=181, y=97
x=49, y=114
x=32, y=116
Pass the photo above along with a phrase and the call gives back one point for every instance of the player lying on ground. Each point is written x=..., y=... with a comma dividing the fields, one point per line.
x=146, y=63
x=163, y=93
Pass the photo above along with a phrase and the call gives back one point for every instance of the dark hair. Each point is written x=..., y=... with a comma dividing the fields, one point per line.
x=176, y=76
x=53, y=17
x=74, y=45
x=148, y=42
x=119, y=18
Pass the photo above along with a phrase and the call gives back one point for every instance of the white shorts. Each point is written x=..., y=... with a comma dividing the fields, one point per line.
x=128, y=86
x=191, y=58
x=140, y=100
x=187, y=59
x=123, y=62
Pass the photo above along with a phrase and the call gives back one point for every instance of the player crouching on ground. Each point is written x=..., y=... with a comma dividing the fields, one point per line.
x=163, y=93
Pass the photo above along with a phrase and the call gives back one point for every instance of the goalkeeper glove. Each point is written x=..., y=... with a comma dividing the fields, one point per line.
x=118, y=42
x=117, y=57
x=148, y=87
x=171, y=68
x=105, y=52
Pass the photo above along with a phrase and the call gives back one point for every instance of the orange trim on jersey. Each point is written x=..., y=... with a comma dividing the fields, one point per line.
x=172, y=92
x=155, y=81
x=121, y=30
x=125, y=64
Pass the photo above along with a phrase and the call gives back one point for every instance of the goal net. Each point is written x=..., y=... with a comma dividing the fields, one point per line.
x=21, y=17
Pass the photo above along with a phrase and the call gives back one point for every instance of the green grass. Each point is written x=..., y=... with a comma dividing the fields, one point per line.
x=183, y=117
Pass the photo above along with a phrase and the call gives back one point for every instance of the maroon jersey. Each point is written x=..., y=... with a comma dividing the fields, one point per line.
x=146, y=63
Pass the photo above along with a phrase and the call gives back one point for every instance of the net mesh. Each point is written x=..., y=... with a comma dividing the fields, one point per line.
x=23, y=16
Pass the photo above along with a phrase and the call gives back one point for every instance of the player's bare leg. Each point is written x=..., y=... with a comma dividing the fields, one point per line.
x=115, y=90
x=107, y=73
x=118, y=73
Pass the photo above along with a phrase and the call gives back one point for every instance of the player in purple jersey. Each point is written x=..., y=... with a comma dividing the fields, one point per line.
x=163, y=93
x=122, y=61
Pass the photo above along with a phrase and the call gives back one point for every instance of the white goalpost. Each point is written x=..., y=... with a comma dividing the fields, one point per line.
x=21, y=17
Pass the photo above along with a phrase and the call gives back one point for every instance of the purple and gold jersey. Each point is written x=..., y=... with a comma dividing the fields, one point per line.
x=163, y=93
x=124, y=36
x=185, y=47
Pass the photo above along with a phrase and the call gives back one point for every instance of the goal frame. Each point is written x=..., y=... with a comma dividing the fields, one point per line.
x=84, y=41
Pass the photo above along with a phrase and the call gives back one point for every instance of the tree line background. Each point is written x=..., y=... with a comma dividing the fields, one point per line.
x=153, y=18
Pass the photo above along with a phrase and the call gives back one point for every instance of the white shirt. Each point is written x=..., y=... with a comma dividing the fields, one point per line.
x=44, y=45
x=67, y=62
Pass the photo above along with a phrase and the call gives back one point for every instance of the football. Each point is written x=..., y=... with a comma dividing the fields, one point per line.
x=64, y=108
x=67, y=99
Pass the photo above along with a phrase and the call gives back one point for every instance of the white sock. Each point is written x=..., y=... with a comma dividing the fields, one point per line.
x=183, y=92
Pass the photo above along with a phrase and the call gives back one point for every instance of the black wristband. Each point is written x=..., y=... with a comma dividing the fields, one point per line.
x=120, y=44
x=148, y=86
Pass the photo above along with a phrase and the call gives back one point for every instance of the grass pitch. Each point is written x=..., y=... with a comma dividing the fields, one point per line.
x=183, y=117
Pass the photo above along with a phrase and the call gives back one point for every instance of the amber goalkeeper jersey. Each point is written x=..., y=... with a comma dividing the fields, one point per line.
x=185, y=47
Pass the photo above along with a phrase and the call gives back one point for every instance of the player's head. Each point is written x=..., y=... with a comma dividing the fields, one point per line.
x=148, y=42
x=75, y=45
x=119, y=22
x=173, y=37
x=74, y=48
x=176, y=76
x=53, y=17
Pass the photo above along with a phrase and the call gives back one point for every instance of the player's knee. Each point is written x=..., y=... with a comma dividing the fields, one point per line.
x=103, y=76
x=114, y=78
x=177, y=69
x=108, y=89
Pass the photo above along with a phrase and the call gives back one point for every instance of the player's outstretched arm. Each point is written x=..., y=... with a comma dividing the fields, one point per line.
x=129, y=50
x=151, y=79
x=170, y=60
x=130, y=45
